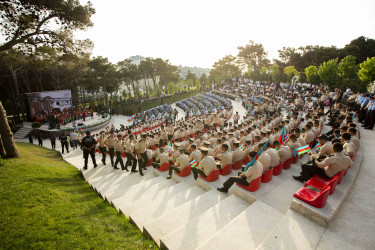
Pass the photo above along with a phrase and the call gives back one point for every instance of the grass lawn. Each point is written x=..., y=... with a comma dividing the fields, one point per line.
x=45, y=203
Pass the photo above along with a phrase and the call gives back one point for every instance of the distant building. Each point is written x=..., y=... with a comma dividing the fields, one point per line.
x=197, y=71
x=137, y=59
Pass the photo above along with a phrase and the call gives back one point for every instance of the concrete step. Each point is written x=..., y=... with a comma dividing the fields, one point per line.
x=22, y=133
x=294, y=231
x=162, y=205
x=122, y=184
x=204, y=226
x=247, y=230
x=146, y=200
x=137, y=191
x=100, y=171
x=181, y=215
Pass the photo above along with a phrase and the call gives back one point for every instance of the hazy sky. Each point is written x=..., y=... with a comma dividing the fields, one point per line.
x=198, y=33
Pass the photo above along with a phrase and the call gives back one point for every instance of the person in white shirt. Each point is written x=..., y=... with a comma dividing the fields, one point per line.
x=205, y=166
x=245, y=178
x=181, y=162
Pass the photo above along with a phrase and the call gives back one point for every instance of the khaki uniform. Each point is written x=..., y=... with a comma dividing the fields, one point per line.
x=336, y=163
x=309, y=136
x=237, y=155
x=182, y=161
x=349, y=148
x=284, y=153
x=293, y=146
x=325, y=150
x=195, y=155
x=275, y=159
x=254, y=171
x=207, y=165
x=225, y=158
x=356, y=142
x=265, y=159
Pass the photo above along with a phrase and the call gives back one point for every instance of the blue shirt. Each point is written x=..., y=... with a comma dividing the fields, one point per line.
x=365, y=102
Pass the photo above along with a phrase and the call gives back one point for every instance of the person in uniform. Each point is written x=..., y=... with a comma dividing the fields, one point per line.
x=110, y=142
x=225, y=157
x=131, y=159
x=64, y=142
x=236, y=118
x=88, y=147
x=162, y=158
x=119, y=150
x=205, y=166
x=181, y=162
x=195, y=154
x=140, y=149
x=327, y=168
x=237, y=153
x=52, y=138
x=102, y=147
x=244, y=178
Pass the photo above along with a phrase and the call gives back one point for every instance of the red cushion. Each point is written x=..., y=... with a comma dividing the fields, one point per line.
x=320, y=182
x=164, y=167
x=287, y=163
x=184, y=172
x=237, y=165
x=267, y=176
x=245, y=160
x=253, y=186
x=149, y=163
x=226, y=170
x=294, y=160
x=315, y=199
x=213, y=176
x=278, y=169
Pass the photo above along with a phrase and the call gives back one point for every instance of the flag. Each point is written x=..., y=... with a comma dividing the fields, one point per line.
x=193, y=163
x=256, y=157
x=169, y=143
x=78, y=128
x=286, y=137
x=301, y=150
x=131, y=118
x=166, y=151
x=282, y=134
x=318, y=145
x=353, y=116
x=242, y=147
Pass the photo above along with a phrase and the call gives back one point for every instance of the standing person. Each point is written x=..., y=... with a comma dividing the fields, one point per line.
x=84, y=115
x=102, y=147
x=119, y=150
x=140, y=149
x=30, y=138
x=236, y=117
x=52, y=138
x=64, y=142
x=130, y=156
x=40, y=140
x=88, y=146
x=73, y=138
x=110, y=142
x=170, y=132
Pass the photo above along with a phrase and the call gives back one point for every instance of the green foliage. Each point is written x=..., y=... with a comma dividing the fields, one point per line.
x=46, y=204
x=225, y=69
x=348, y=71
x=252, y=55
x=367, y=70
x=171, y=87
x=36, y=125
x=329, y=73
x=291, y=71
x=311, y=73
x=41, y=22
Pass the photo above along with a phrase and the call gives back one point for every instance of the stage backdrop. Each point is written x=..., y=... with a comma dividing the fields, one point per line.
x=48, y=101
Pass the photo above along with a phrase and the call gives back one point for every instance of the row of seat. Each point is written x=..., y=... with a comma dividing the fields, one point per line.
x=327, y=187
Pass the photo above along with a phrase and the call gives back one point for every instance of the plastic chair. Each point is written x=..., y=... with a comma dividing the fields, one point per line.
x=184, y=172
x=149, y=163
x=237, y=165
x=123, y=154
x=213, y=176
x=320, y=183
x=287, y=163
x=253, y=186
x=226, y=170
x=245, y=160
x=96, y=150
x=267, y=176
x=164, y=167
x=294, y=160
x=278, y=169
x=346, y=171
x=340, y=175
x=153, y=147
x=315, y=199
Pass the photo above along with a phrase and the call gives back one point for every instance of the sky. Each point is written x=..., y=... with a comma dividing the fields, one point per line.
x=200, y=32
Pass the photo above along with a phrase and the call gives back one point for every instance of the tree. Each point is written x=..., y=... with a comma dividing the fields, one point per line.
x=312, y=76
x=225, y=69
x=191, y=76
x=329, y=73
x=171, y=87
x=367, y=70
x=252, y=55
x=28, y=24
x=361, y=48
x=348, y=71
x=291, y=71
x=203, y=80
x=6, y=135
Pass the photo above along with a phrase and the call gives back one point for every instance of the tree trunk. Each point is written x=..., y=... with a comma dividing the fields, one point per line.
x=2, y=150
x=7, y=135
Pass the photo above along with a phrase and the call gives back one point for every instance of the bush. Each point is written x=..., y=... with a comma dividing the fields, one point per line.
x=36, y=125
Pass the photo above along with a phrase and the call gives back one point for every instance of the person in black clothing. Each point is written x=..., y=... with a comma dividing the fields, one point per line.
x=30, y=138
x=53, y=141
x=88, y=147
x=40, y=140
x=64, y=142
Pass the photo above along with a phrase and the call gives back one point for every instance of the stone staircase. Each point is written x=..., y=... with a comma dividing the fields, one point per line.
x=22, y=133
